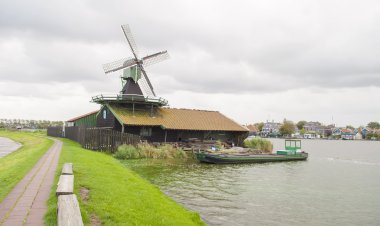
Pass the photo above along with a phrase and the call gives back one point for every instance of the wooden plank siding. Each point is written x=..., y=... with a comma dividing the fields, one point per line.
x=158, y=135
x=55, y=131
x=99, y=139
x=107, y=140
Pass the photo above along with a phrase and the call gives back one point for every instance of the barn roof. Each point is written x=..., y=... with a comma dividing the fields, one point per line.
x=82, y=116
x=178, y=119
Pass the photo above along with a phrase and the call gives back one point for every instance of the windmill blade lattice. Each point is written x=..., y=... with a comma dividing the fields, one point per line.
x=145, y=88
x=155, y=58
x=130, y=39
x=119, y=64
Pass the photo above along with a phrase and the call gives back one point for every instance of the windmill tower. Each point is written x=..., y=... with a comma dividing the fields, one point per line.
x=136, y=86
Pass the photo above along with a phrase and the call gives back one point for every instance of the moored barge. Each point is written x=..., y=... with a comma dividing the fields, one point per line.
x=292, y=152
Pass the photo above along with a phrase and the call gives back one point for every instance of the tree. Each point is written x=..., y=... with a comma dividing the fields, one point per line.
x=259, y=126
x=301, y=124
x=374, y=125
x=287, y=128
x=350, y=127
x=328, y=132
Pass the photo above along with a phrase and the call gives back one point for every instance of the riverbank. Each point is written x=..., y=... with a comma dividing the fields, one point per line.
x=14, y=166
x=112, y=194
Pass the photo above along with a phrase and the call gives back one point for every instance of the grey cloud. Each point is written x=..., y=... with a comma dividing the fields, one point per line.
x=244, y=47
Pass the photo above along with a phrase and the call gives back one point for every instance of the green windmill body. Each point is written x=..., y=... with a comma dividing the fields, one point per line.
x=132, y=72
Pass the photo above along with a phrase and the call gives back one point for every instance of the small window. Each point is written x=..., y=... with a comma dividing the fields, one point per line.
x=104, y=114
x=146, y=131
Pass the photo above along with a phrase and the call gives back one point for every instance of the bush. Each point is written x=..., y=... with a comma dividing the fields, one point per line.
x=127, y=152
x=259, y=144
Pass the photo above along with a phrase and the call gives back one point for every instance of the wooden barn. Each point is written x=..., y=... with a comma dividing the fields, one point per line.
x=137, y=109
x=165, y=124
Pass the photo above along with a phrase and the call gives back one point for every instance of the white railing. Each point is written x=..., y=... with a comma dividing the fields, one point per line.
x=128, y=97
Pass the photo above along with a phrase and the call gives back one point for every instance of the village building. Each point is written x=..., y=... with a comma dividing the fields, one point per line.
x=137, y=110
x=270, y=129
x=347, y=134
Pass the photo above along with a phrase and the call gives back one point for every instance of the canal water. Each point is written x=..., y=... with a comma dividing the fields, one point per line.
x=338, y=185
x=7, y=146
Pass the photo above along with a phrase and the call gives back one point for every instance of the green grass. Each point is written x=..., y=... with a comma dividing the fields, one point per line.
x=14, y=166
x=118, y=196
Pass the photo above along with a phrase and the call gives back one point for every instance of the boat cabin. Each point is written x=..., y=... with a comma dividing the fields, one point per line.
x=292, y=146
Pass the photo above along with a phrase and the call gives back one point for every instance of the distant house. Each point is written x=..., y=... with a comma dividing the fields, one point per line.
x=310, y=136
x=318, y=129
x=336, y=131
x=270, y=129
x=347, y=134
x=312, y=126
x=358, y=136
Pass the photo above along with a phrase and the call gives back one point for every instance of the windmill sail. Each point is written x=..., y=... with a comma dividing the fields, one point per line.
x=119, y=64
x=134, y=67
x=155, y=58
x=130, y=39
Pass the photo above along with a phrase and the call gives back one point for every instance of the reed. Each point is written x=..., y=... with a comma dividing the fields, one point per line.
x=259, y=144
x=165, y=151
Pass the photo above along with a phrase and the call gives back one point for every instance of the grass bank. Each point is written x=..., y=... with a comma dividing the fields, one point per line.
x=14, y=166
x=111, y=193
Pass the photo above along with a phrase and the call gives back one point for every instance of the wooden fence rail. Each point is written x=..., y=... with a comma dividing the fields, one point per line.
x=99, y=139
x=55, y=131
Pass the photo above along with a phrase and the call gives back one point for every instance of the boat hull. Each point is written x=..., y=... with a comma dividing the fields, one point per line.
x=236, y=159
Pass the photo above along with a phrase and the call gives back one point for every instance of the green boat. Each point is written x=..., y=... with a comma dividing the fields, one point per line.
x=292, y=152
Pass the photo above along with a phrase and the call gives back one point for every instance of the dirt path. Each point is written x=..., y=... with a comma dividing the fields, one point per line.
x=26, y=203
x=7, y=146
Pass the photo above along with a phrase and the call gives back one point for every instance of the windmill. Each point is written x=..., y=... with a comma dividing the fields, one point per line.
x=134, y=77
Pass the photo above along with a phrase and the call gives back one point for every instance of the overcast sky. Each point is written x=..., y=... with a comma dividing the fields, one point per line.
x=251, y=60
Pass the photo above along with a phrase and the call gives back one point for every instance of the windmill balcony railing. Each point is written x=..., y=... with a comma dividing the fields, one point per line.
x=128, y=98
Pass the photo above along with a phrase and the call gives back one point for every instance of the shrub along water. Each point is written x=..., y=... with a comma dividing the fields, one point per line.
x=259, y=144
x=165, y=151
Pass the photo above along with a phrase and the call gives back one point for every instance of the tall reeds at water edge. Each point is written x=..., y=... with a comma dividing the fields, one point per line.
x=166, y=151
x=259, y=144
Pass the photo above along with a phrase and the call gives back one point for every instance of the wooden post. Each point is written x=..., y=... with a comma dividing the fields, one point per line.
x=166, y=135
x=122, y=128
